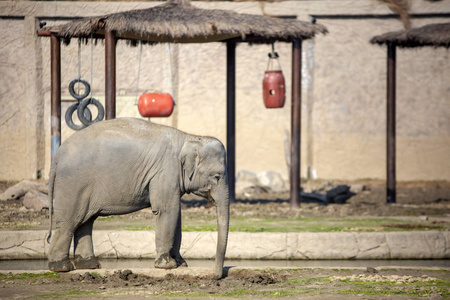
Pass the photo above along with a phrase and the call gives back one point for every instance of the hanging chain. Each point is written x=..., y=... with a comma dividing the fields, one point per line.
x=79, y=64
x=273, y=56
x=139, y=74
x=171, y=74
x=92, y=66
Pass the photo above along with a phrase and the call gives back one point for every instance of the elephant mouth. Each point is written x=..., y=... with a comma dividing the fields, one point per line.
x=210, y=198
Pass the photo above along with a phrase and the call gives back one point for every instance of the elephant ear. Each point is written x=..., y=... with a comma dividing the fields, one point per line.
x=189, y=157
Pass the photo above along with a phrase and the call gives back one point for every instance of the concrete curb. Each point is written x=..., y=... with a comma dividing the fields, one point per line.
x=285, y=246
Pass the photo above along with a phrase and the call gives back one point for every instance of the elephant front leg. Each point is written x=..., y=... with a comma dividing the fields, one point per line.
x=166, y=228
x=83, y=247
x=175, y=252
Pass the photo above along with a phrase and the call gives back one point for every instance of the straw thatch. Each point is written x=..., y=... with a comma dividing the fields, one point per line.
x=180, y=22
x=437, y=35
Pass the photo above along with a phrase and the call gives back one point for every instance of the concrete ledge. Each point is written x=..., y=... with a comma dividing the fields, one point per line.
x=293, y=246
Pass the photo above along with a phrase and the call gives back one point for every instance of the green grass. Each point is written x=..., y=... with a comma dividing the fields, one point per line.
x=418, y=288
x=23, y=276
x=67, y=294
x=311, y=224
x=316, y=224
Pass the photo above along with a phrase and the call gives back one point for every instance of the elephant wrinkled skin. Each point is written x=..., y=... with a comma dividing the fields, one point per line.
x=123, y=165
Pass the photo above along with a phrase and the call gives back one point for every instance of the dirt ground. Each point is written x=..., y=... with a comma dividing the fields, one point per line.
x=256, y=284
x=414, y=199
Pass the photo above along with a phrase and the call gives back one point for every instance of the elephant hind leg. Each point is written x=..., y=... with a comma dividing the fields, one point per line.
x=59, y=248
x=84, y=248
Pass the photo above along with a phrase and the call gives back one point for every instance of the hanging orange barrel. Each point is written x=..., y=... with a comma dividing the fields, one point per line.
x=152, y=105
x=274, y=94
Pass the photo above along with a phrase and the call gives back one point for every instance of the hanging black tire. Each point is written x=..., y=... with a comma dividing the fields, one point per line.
x=87, y=88
x=69, y=116
x=83, y=107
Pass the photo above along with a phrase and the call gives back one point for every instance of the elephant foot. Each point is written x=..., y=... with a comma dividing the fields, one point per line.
x=165, y=262
x=87, y=263
x=64, y=265
x=180, y=261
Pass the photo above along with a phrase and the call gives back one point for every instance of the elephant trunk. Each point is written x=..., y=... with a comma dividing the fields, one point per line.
x=221, y=197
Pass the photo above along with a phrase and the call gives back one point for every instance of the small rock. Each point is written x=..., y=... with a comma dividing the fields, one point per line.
x=76, y=277
x=271, y=181
x=371, y=270
x=23, y=209
x=246, y=176
x=423, y=218
x=20, y=189
x=36, y=200
x=357, y=188
x=242, y=187
x=102, y=287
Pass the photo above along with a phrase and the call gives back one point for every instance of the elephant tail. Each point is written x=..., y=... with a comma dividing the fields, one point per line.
x=51, y=183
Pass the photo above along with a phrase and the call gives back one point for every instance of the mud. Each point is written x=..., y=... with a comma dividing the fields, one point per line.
x=265, y=283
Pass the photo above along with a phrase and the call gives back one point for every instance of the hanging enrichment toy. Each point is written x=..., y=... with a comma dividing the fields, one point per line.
x=151, y=105
x=155, y=105
x=273, y=83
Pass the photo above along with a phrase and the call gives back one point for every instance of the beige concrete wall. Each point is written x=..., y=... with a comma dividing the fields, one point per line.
x=343, y=108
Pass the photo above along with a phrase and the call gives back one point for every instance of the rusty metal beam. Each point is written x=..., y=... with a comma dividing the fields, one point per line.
x=390, y=126
x=231, y=117
x=296, y=122
x=110, y=74
x=55, y=78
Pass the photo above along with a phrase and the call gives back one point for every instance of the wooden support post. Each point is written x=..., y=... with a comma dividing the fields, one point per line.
x=390, y=125
x=110, y=74
x=231, y=117
x=55, y=66
x=296, y=122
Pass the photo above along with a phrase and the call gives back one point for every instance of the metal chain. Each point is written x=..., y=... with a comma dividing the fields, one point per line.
x=171, y=73
x=92, y=66
x=79, y=64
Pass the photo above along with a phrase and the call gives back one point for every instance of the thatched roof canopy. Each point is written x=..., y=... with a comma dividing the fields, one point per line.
x=437, y=35
x=180, y=22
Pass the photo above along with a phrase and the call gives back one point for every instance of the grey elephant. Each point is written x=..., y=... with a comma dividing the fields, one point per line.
x=123, y=165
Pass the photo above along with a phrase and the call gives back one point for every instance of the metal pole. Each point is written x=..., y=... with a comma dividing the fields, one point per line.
x=390, y=126
x=231, y=117
x=296, y=122
x=110, y=74
x=55, y=66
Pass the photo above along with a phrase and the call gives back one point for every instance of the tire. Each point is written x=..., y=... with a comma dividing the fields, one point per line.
x=69, y=116
x=83, y=107
x=87, y=88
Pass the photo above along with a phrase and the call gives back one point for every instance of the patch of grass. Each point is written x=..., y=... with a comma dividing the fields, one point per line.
x=306, y=281
x=320, y=224
x=17, y=226
x=107, y=219
x=67, y=294
x=417, y=288
x=23, y=276
x=310, y=224
x=139, y=228
x=199, y=227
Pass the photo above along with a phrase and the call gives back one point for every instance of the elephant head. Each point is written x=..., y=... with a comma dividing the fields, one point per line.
x=204, y=173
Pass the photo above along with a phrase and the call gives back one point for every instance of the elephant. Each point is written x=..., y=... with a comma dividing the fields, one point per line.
x=123, y=165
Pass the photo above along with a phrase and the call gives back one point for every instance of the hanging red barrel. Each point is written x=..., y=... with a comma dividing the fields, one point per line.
x=273, y=89
x=155, y=105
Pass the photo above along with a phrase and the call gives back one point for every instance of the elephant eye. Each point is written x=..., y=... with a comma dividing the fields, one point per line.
x=217, y=177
